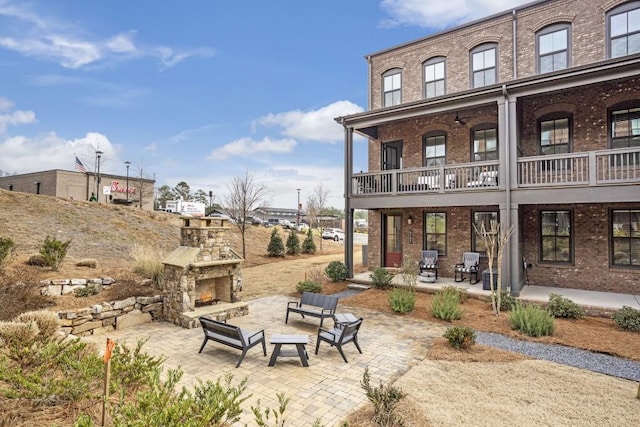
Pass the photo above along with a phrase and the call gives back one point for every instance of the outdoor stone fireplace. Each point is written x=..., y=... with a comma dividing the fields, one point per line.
x=203, y=276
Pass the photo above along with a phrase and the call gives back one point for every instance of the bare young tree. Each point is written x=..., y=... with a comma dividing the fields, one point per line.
x=318, y=200
x=244, y=196
x=495, y=239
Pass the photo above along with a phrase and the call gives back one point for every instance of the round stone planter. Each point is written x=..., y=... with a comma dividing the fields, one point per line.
x=427, y=277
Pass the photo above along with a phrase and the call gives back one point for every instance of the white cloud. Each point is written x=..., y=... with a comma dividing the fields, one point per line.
x=316, y=125
x=5, y=104
x=13, y=118
x=247, y=147
x=22, y=154
x=441, y=14
x=151, y=147
x=122, y=43
x=34, y=34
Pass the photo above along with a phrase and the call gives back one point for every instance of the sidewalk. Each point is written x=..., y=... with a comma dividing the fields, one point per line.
x=594, y=299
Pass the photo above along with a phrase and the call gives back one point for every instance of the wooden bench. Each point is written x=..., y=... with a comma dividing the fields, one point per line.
x=231, y=336
x=315, y=305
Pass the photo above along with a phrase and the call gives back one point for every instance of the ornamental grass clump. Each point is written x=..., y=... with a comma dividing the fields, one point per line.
x=531, y=320
x=381, y=278
x=460, y=337
x=147, y=261
x=445, y=305
x=560, y=306
x=402, y=300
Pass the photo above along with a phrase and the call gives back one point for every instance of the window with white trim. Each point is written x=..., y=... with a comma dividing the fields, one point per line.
x=392, y=87
x=434, y=77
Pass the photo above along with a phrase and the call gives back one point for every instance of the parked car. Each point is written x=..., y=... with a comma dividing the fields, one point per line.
x=333, y=234
x=301, y=227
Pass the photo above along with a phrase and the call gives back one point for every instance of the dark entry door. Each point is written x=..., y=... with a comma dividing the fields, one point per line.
x=392, y=240
x=391, y=159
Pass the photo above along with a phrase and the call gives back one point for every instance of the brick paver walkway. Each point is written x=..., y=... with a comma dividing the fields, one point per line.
x=328, y=390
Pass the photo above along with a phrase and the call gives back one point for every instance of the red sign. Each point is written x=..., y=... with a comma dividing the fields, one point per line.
x=115, y=188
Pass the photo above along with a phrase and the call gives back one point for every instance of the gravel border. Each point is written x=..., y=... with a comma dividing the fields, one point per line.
x=578, y=358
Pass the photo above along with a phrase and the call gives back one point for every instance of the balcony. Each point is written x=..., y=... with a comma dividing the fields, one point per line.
x=585, y=169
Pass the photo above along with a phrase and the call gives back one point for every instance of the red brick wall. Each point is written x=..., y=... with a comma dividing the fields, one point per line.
x=591, y=270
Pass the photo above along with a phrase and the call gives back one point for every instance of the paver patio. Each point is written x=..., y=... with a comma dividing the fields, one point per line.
x=328, y=390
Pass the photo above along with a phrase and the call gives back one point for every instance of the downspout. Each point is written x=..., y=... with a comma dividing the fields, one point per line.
x=514, y=38
x=348, y=212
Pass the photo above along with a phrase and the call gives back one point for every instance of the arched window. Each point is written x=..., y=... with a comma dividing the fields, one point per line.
x=553, y=48
x=435, y=77
x=484, y=65
x=392, y=87
x=623, y=30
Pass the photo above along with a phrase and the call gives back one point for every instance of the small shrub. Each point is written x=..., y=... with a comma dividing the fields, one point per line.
x=147, y=262
x=627, y=318
x=385, y=400
x=336, y=271
x=381, y=278
x=531, y=320
x=86, y=291
x=309, y=245
x=460, y=337
x=278, y=416
x=37, y=260
x=560, y=306
x=275, y=247
x=506, y=300
x=402, y=300
x=17, y=334
x=293, y=243
x=6, y=246
x=445, y=305
x=309, y=286
x=459, y=293
x=87, y=262
x=316, y=274
x=54, y=252
x=48, y=322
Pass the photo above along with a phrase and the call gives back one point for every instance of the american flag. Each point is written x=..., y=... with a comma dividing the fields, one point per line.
x=79, y=166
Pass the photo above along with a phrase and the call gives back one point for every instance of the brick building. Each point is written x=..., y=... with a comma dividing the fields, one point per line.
x=80, y=186
x=530, y=118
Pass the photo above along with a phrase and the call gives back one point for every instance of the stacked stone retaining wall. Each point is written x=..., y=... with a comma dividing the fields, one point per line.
x=104, y=317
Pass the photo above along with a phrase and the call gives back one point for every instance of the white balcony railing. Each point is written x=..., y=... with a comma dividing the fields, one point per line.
x=592, y=168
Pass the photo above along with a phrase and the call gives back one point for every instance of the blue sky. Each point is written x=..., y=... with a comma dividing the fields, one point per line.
x=200, y=90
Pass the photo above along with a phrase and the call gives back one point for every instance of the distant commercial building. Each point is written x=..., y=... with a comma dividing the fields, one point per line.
x=115, y=189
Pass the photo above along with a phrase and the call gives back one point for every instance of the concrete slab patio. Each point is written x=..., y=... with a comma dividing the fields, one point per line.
x=328, y=390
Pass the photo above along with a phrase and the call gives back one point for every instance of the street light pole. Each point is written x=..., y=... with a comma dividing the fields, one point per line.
x=298, y=207
x=128, y=163
x=98, y=155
